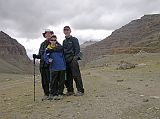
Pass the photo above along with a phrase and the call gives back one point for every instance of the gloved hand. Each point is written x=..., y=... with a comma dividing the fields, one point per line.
x=34, y=56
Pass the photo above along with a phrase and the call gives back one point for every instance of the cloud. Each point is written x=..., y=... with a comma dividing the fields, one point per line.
x=25, y=20
x=28, y=18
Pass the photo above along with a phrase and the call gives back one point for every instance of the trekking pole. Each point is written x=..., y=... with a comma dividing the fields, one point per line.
x=34, y=79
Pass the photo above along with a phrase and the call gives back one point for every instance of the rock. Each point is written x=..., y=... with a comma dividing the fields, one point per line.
x=26, y=94
x=145, y=100
x=89, y=73
x=141, y=65
x=29, y=106
x=8, y=79
x=120, y=80
x=48, y=107
x=155, y=97
x=7, y=99
x=9, y=103
x=102, y=96
x=125, y=65
x=146, y=85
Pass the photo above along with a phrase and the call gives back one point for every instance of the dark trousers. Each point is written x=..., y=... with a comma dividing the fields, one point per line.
x=57, y=82
x=45, y=78
x=73, y=72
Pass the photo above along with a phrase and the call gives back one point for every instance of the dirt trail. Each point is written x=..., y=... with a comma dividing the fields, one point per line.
x=105, y=98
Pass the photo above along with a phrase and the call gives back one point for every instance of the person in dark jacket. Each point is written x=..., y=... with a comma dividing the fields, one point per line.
x=44, y=67
x=72, y=53
x=57, y=68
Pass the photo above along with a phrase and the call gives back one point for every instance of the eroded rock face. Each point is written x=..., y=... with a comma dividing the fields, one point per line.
x=9, y=46
x=140, y=34
x=14, y=54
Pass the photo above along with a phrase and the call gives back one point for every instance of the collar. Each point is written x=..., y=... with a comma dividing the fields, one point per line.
x=68, y=37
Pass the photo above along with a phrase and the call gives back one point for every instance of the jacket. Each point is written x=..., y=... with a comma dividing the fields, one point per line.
x=41, y=53
x=71, y=49
x=58, y=61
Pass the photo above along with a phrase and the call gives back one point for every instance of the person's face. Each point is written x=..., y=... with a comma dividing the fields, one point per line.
x=48, y=35
x=53, y=41
x=67, y=31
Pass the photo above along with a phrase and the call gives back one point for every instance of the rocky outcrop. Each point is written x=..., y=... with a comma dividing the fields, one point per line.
x=125, y=65
x=13, y=55
x=87, y=43
x=141, y=34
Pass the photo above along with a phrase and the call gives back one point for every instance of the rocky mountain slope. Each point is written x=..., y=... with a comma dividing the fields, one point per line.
x=13, y=56
x=87, y=43
x=140, y=34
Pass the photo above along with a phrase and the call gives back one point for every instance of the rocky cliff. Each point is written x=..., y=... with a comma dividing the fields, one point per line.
x=140, y=34
x=13, y=56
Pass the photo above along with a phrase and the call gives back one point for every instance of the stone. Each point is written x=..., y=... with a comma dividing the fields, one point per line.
x=145, y=100
x=125, y=65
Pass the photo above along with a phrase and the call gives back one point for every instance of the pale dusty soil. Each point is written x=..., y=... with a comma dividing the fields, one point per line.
x=136, y=97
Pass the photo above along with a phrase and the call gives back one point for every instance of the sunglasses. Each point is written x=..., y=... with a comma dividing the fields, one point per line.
x=66, y=29
x=52, y=40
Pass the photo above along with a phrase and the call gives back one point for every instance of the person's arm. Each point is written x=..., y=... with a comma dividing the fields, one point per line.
x=76, y=48
x=46, y=57
x=41, y=51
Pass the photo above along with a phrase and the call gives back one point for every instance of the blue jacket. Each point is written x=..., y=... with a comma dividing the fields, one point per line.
x=58, y=62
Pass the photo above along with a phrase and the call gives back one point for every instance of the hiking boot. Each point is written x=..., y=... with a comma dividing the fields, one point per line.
x=55, y=97
x=70, y=93
x=60, y=97
x=45, y=97
x=50, y=97
x=79, y=94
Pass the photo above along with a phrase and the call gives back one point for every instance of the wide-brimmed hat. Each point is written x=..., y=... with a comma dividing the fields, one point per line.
x=47, y=30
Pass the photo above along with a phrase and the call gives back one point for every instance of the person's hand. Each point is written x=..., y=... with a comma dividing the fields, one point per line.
x=75, y=58
x=50, y=60
x=34, y=56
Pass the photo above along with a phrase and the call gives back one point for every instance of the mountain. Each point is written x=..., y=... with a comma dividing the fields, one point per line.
x=87, y=43
x=13, y=56
x=140, y=34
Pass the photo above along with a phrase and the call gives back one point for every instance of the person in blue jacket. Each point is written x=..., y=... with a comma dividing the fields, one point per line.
x=54, y=57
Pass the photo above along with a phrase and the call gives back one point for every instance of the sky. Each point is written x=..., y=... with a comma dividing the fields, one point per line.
x=26, y=20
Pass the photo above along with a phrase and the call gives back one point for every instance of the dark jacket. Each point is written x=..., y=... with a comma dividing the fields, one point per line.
x=42, y=48
x=58, y=62
x=71, y=49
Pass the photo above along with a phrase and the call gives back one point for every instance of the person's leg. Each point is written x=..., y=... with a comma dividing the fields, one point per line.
x=61, y=82
x=69, y=80
x=45, y=80
x=54, y=83
x=77, y=76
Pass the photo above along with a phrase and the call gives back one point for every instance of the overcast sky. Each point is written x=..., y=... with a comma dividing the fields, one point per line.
x=25, y=20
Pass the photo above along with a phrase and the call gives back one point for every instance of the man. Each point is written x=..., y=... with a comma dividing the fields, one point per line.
x=44, y=68
x=72, y=55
